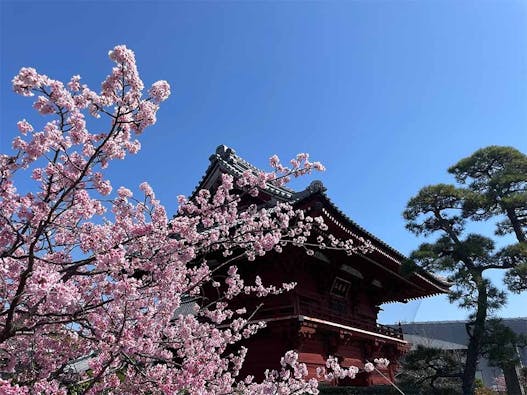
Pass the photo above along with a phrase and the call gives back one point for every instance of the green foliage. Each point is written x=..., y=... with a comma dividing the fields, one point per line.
x=480, y=388
x=501, y=343
x=493, y=185
x=383, y=390
x=497, y=177
x=478, y=383
x=515, y=256
x=432, y=199
x=373, y=390
x=431, y=370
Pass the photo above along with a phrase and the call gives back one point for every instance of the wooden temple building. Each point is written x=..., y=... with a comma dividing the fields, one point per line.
x=333, y=309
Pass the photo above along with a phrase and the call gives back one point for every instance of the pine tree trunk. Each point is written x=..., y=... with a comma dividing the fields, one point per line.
x=516, y=225
x=512, y=380
x=474, y=345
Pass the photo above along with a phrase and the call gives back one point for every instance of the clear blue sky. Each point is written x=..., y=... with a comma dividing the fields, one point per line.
x=386, y=94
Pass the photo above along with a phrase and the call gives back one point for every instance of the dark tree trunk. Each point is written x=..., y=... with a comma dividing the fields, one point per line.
x=512, y=379
x=516, y=225
x=476, y=335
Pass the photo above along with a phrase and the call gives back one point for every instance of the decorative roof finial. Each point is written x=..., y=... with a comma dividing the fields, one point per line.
x=316, y=186
x=224, y=152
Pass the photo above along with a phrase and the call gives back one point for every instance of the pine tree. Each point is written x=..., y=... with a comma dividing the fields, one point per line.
x=493, y=185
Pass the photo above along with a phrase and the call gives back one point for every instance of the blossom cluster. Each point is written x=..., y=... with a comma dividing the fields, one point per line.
x=333, y=371
x=88, y=274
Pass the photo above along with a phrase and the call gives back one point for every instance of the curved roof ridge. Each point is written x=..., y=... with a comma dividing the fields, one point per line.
x=318, y=187
x=225, y=159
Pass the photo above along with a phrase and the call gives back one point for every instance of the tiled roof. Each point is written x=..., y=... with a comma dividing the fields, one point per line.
x=416, y=340
x=226, y=160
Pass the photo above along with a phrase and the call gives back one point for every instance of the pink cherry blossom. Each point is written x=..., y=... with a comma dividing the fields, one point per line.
x=96, y=278
x=160, y=91
x=24, y=127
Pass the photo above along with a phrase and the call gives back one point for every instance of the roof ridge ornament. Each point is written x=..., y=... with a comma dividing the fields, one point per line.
x=224, y=152
x=316, y=186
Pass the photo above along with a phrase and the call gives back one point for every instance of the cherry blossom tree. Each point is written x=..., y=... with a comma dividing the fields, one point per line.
x=88, y=273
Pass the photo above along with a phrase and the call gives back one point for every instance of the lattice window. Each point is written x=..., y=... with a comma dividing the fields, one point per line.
x=340, y=287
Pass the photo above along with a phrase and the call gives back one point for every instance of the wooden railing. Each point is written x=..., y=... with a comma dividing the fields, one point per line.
x=305, y=306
